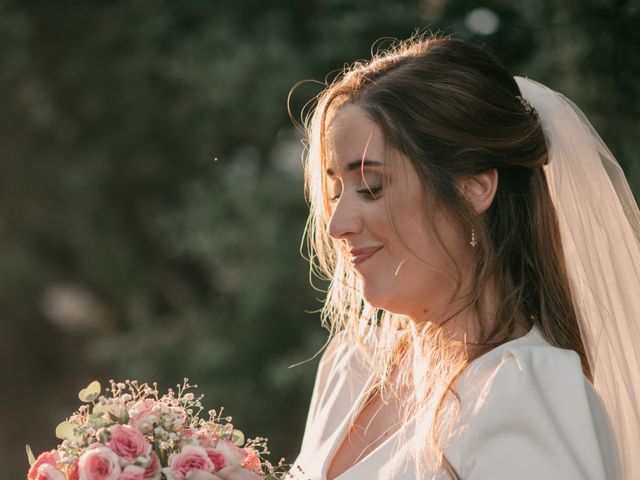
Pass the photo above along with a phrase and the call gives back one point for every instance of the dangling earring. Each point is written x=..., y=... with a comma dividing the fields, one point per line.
x=473, y=242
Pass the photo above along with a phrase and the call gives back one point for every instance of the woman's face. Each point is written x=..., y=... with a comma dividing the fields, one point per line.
x=393, y=278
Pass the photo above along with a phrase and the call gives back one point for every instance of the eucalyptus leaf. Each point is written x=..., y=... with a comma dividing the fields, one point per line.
x=100, y=409
x=65, y=431
x=30, y=456
x=97, y=420
x=97, y=417
x=237, y=437
x=91, y=392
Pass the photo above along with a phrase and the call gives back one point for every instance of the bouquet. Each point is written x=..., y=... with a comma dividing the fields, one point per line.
x=135, y=434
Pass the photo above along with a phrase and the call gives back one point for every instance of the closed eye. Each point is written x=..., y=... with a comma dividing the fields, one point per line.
x=368, y=193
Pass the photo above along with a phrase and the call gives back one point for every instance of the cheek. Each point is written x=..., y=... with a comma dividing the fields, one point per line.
x=454, y=237
x=412, y=229
x=419, y=239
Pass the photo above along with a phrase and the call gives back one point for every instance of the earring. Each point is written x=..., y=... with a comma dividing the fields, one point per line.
x=473, y=242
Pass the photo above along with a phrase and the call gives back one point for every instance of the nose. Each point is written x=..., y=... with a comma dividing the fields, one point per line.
x=346, y=219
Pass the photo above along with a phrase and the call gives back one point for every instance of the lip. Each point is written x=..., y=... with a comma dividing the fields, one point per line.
x=359, y=255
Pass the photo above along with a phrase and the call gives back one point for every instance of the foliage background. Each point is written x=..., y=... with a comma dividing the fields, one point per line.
x=151, y=203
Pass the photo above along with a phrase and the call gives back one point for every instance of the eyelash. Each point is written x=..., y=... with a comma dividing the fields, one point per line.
x=368, y=193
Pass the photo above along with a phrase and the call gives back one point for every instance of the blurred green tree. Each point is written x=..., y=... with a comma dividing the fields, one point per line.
x=128, y=250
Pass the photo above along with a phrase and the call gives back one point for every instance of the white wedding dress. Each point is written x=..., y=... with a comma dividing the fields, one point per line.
x=535, y=417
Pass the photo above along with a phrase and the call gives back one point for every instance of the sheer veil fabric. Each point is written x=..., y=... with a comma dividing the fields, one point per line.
x=600, y=230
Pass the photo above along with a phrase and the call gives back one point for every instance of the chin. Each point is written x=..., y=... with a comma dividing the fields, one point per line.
x=371, y=295
x=385, y=299
x=377, y=296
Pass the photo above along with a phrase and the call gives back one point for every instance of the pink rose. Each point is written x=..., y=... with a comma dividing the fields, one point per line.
x=217, y=458
x=99, y=463
x=235, y=455
x=190, y=458
x=143, y=415
x=45, y=458
x=252, y=461
x=128, y=443
x=48, y=472
x=153, y=470
x=72, y=472
x=132, y=472
x=200, y=475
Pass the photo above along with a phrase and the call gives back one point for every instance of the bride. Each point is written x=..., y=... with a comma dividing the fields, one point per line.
x=482, y=247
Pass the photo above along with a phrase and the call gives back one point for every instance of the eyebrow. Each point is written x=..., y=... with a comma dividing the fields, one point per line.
x=356, y=164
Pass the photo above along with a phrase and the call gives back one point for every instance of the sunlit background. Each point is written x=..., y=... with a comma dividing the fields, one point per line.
x=151, y=200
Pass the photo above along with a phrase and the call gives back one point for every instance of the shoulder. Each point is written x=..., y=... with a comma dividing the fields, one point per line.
x=521, y=365
x=521, y=368
x=531, y=409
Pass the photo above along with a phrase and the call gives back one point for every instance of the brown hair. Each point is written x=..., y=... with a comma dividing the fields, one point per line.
x=451, y=108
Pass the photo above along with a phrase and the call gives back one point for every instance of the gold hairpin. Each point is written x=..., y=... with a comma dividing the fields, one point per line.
x=527, y=106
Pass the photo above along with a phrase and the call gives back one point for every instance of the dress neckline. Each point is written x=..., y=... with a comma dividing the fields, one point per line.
x=345, y=425
x=343, y=430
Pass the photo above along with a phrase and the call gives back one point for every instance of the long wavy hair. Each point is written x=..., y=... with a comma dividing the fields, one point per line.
x=452, y=110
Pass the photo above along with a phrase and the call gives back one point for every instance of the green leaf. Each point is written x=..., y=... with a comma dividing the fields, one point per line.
x=237, y=437
x=30, y=456
x=65, y=431
x=91, y=392
x=97, y=420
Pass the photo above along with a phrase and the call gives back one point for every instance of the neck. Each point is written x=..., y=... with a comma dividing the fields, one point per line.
x=460, y=323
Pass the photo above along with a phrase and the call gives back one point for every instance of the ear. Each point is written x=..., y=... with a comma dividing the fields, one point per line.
x=479, y=189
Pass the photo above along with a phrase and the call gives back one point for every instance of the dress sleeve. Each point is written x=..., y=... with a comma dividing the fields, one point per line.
x=538, y=417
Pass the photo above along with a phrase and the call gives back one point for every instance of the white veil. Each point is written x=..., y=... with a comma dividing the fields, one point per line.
x=600, y=230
